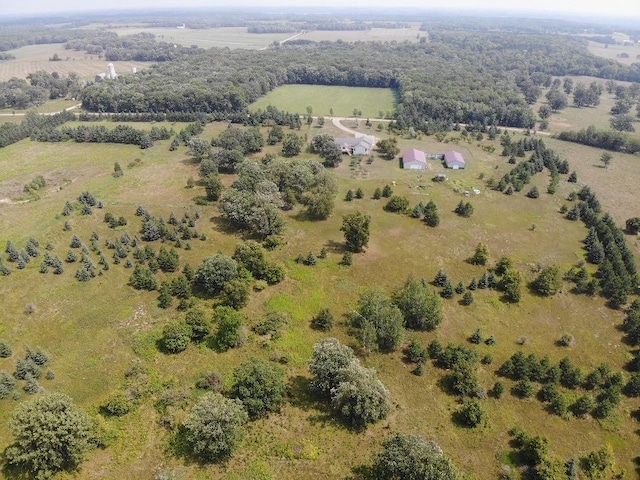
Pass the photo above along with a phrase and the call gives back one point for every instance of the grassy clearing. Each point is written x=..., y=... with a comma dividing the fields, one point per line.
x=32, y=58
x=614, y=52
x=343, y=100
x=95, y=331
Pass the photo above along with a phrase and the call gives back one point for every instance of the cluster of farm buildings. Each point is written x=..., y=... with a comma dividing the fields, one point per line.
x=412, y=159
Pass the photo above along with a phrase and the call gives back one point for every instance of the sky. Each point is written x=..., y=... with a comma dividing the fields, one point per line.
x=622, y=8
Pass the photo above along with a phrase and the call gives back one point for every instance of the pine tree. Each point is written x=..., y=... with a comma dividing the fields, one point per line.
x=431, y=217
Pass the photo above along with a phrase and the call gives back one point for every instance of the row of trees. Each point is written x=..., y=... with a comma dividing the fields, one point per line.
x=607, y=139
x=101, y=134
x=14, y=132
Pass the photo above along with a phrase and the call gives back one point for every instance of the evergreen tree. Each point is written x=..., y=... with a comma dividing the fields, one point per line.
x=431, y=217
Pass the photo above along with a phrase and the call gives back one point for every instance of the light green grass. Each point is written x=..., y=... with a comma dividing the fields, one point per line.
x=94, y=330
x=343, y=100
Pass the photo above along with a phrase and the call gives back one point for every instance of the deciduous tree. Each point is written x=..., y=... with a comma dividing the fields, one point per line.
x=51, y=434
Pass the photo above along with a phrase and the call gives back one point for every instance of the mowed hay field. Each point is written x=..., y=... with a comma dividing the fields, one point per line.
x=322, y=99
x=32, y=58
x=95, y=331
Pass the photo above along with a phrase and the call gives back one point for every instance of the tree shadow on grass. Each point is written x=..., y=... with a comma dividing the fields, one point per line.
x=335, y=247
x=300, y=396
x=223, y=225
x=178, y=446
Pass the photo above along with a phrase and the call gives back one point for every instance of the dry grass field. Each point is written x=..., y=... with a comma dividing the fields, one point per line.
x=616, y=52
x=95, y=331
x=32, y=58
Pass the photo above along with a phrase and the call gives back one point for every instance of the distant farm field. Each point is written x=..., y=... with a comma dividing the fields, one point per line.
x=32, y=58
x=625, y=54
x=232, y=37
x=373, y=35
x=322, y=99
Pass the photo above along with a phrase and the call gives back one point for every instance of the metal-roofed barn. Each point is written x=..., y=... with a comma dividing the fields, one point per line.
x=413, y=159
x=454, y=160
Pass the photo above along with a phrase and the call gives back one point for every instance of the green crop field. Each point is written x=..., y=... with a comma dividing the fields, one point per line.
x=96, y=331
x=322, y=99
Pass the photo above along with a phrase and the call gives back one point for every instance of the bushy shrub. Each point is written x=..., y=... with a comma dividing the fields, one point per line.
x=260, y=386
x=176, y=336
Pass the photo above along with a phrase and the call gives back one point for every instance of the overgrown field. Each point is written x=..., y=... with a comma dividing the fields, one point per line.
x=371, y=102
x=36, y=57
x=95, y=331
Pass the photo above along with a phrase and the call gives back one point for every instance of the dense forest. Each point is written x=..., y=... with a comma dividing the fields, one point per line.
x=461, y=77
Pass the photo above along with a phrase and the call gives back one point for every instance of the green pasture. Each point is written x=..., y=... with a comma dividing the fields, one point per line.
x=95, y=331
x=343, y=100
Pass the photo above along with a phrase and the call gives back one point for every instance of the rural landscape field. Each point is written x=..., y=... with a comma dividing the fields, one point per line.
x=198, y=281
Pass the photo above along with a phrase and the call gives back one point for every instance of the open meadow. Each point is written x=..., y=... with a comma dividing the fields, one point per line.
x=96, y=331
x=326, y=99
x=625, y=54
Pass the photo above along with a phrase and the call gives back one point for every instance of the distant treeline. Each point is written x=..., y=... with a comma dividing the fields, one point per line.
x=606, y=139
x=274, y=28
x=7, y=56
x=512, y=24
x=141, y=47
x=19, y=36
x=14, y=132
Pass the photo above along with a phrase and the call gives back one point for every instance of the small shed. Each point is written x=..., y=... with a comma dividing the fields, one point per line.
x=454, y=160
x=414, y=160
